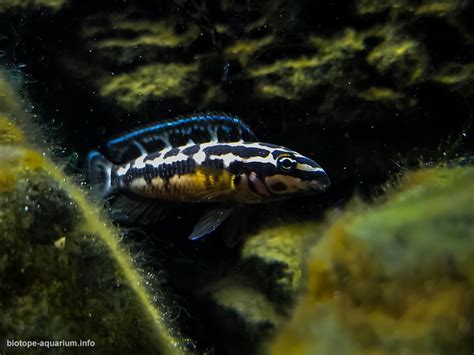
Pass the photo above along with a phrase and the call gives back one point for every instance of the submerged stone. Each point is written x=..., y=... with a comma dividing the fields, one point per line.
x=392, y=277
x=147, y=83
x=64, y=272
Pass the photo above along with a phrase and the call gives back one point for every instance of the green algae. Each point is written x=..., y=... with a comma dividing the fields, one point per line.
x=64, y=273
x=420, y=8
x=404, y=60
x=392, y=276
x=380, y=94
x=32, y=4
x=455, y=73
x=145, y=33
x=255, y=300
x=247, y=303
x=293, y=79
x=275, y=257
x=132, y=58
x=246, y=49
x=148, y=82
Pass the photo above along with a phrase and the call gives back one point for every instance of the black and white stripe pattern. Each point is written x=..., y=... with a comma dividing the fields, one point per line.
x=253, y=159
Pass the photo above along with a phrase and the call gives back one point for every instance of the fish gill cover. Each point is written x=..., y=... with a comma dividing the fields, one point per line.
x=380, y=93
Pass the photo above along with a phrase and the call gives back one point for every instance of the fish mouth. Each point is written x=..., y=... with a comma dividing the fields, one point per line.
x=320, y=182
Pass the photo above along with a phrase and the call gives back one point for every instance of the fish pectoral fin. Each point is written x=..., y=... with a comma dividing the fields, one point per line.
x=137, y=210
x=209, y=221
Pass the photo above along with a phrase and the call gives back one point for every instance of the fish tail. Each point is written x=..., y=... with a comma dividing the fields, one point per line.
x=100, y=172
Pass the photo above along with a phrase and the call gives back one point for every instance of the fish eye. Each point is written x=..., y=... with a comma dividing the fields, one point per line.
x=286, y=163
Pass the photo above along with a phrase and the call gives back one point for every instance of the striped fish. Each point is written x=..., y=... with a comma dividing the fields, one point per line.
x=205, y=158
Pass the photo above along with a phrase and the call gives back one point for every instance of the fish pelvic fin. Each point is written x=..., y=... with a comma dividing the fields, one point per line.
x=210, y=221
x=99, y=173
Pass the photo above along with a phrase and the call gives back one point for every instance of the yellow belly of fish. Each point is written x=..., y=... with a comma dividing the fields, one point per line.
x=200, y=186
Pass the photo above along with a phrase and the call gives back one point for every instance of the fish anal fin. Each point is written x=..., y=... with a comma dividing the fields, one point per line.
x=137, y=210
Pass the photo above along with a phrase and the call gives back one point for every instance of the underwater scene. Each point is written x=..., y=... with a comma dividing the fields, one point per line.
x=236, y=177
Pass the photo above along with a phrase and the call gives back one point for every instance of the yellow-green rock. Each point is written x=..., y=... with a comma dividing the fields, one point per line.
x=32, y=4
x=150, y=82
x=244, y=49
x=154, y=33
x=64, y=272
x=458, y=76
x=130, y=37
x=403, y=59
x=247, y=304
x=274, y=256
x=419, y=8
x=254, y=299
x=392, y=277
x=132, y=59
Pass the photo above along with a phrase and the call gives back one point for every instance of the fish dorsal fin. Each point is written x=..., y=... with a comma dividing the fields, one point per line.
x=197, y=128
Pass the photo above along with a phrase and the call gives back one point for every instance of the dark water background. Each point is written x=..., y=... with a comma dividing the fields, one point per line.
x=360, y=143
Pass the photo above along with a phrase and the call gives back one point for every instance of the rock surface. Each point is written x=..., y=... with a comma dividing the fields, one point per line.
x=64, y=274
x=392, y=277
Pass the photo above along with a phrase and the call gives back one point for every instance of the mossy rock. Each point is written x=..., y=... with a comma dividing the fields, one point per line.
x=152, y=82
x=239, y=309
x=18, y=5
x=64, y=273
x=130, y=59
x=122, y=39
x=339, y=73
x=247, y=305
x=392, y=277
x=256, y=296
x=419, y=8
x=274, y=258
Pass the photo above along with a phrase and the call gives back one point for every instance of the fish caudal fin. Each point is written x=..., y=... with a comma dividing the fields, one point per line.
x=99, y=173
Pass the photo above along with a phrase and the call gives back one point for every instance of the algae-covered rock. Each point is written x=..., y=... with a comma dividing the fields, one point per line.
x=64, y=273
x=395, y=277
x=53, y=5
x=239, y=302
x=132, y=58
x=275, y=256
x=401, y=59
x=457, y=76
x=336, y=65
x=254, y=299
x=426, y=7
x=297, y=78
x=127, y=38
x=151, y=82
